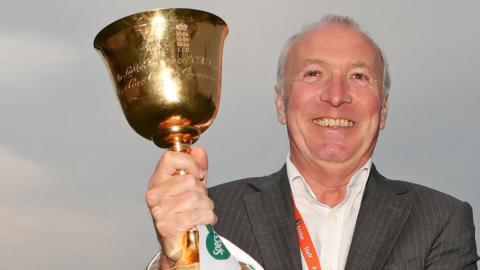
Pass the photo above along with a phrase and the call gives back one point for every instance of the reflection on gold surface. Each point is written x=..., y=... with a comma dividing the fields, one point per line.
x=158, y=26
x=170, y=87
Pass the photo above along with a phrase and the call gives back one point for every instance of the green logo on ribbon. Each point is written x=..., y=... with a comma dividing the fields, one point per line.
x=215, y=246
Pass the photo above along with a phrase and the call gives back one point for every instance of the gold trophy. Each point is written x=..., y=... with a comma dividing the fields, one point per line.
x=166, y=68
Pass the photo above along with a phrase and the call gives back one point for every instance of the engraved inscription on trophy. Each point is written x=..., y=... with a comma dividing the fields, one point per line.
x=183, y=38
x=139, y=73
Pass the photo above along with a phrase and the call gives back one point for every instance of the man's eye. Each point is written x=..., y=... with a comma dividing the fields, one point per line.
x=312, y=76
x=360, y=79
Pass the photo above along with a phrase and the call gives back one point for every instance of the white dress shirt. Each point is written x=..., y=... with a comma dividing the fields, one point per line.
x=330, y=228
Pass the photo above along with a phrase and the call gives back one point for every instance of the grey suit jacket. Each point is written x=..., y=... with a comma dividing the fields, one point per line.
x=400, y=225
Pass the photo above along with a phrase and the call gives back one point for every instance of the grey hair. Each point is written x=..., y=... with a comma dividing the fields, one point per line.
x=329, y=18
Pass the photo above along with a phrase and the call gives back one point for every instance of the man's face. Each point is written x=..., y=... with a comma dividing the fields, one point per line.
x=332, y=102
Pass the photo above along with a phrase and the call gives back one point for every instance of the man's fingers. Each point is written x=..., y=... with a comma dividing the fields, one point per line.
x=165, y=207
x=176, y=184
x=200, y=155
x=203, y=217
x=177, y=224
x=172, y=161
x=172, y=242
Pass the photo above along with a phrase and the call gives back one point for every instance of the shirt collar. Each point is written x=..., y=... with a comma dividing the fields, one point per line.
x=300, y=187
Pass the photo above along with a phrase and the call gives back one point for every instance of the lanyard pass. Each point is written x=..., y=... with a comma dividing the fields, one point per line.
x=305, y=242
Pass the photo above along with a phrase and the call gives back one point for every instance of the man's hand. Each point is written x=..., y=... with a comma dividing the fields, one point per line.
x=179, y=202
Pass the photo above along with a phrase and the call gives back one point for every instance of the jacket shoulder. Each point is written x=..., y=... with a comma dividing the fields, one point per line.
x=440, y=229
x=235, y=190
x=421, y=195
x=427, y=197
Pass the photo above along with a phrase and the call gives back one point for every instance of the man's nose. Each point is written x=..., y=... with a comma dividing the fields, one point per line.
x=336, y=92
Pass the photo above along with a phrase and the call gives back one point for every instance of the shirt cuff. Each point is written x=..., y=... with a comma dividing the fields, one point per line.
x=155, y=262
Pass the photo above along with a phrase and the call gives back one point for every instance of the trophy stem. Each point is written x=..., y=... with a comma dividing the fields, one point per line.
x=190, y=248
x=190, y=244
x=179, y=146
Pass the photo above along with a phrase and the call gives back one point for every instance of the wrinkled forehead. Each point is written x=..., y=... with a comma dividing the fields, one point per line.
x=336, y=43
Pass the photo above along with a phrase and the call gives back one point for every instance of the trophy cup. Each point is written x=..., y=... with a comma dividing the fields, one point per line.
x=166, y=68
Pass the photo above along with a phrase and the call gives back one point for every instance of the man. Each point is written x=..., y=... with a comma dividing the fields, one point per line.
x=332, y=94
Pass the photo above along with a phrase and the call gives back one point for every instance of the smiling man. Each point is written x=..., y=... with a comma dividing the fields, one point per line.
x=332, y=101
x=328, y=206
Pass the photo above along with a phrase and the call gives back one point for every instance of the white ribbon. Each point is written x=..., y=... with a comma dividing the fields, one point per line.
x=217, y=253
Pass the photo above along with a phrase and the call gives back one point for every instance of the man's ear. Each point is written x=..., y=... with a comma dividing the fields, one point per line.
x=279, y=103
x=383, y=114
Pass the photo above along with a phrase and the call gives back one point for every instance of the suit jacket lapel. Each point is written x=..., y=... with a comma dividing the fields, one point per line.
x=271, y=214
x=383, y=213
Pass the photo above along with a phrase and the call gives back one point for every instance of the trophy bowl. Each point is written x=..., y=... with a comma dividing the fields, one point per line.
x=166, y=68
x=166, y=65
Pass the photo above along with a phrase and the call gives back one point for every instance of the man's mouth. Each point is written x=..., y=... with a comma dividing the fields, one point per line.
x=333, y=122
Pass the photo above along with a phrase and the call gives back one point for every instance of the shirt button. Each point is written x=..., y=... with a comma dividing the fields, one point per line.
x=333, y=219
x=329, y=267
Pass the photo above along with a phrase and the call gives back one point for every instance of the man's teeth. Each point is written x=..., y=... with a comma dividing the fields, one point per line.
x=330, y=122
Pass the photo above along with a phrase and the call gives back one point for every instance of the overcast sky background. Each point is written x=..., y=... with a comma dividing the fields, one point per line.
x=73, y=173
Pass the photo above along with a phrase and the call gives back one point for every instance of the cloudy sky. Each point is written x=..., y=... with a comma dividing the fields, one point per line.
x=73, y=173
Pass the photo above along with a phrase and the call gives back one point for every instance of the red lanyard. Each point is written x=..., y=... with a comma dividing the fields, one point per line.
x=305, y=242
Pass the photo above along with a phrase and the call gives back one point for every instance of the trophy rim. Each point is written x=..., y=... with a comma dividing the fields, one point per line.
x=110, y=28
